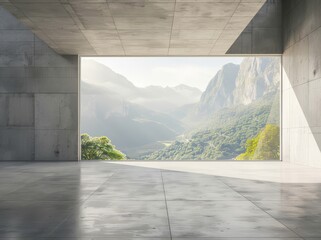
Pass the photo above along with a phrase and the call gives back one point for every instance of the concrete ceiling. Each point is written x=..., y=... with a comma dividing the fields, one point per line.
x=136, y=27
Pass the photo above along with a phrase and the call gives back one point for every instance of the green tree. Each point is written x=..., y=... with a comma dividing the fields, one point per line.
x=99, y=148
x=264, y=146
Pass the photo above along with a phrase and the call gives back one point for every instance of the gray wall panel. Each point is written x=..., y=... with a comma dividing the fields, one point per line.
x=20, y=109
x=17, y=144
x=38, y=97
x=56, y=145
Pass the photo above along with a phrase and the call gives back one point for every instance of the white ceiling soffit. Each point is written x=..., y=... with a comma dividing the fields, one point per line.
x=136, y=27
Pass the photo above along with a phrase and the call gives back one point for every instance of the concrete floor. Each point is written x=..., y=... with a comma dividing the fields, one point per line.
x=101, y=200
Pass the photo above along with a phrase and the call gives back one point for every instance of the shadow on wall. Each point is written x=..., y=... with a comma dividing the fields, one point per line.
x=302, y=83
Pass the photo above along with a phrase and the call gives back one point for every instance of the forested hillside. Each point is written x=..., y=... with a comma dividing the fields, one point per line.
x=225, y=135
x=236, y=106
x=265, y=145
x=183, y=123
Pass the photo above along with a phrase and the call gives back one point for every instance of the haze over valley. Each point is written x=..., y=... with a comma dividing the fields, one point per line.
x=181, y=122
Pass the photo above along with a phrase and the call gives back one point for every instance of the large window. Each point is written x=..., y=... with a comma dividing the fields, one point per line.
x=180, y=108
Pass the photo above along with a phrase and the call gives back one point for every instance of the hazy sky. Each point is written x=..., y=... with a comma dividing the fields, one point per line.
x=167, y=71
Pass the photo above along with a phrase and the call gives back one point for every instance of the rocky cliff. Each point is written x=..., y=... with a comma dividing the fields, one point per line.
x=219, y=91
x=241, y=84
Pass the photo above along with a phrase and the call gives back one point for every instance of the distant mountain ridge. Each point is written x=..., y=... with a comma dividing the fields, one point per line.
x=163, y=99
x=141, y=121
x=131, y=117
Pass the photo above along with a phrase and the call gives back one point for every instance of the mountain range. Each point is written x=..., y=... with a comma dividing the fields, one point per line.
x=141, y=121
x=160, y=99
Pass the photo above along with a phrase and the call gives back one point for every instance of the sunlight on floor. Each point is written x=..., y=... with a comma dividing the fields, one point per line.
x=263, y=171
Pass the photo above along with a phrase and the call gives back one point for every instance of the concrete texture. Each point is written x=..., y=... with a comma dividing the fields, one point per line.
x=101, y=200
x=302, y=82
x=136, y=27
x=38, y=97
x=263, y=35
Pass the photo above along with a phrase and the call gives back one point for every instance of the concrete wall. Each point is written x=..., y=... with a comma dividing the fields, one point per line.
x=263, y=35
x=38, y=97
x=302, y=82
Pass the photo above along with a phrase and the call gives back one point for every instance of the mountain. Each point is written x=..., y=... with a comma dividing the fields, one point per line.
x=101, y=75
x=181, y=122
x=135, y=119
x=237, y=104
x=191, y=93
x=219, y=91
x=240, y=84
x=256, y=78
x=128, y=125
x=161, y=99
x=225, y=134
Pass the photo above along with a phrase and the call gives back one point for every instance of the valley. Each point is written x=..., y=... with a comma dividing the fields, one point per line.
x=182, y=122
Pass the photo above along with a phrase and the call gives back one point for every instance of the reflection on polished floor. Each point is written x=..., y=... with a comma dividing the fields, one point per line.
x=101, y=200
